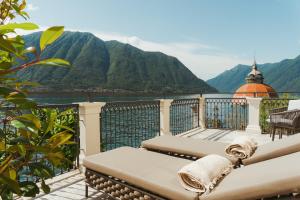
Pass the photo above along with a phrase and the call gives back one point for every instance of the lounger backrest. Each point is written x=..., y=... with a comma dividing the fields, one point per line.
x=294, y=104
x=275, y=149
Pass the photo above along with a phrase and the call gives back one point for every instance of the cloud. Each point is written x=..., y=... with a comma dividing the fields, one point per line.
x=204, y=60
x=32, y=7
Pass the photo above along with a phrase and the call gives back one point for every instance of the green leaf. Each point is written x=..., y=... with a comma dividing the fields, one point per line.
x=4, y=91
x=59, y=139
x=25, y=125
x=2, y=146
x=30, y=118
x=24, y=15
x=7, y=46
x=52, y=115
x=29, y=189
x=45, y=187
x=30, y=50
x=6, y=194
x=22, y=5
x=5, y=65
x=19, y=140
x=24, y=26
x=50, y=35
x=12, y=173
x=41, y=170
x=56, y=158
x=27, y=104
x=4, y=164
x=65, y=127
x=10, y=183
x=54, y=61
x=22, y=150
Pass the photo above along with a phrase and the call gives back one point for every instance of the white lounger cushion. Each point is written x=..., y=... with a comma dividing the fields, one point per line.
x=294, y=104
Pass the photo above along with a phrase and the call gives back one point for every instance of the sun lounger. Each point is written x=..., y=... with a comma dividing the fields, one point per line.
x=129, y=173
x=184, y=147
x=196, y=148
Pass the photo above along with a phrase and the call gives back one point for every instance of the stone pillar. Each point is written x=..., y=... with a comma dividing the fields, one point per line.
x=202, y=112
x=253, y=115
x=89, y=114
x=165, y=105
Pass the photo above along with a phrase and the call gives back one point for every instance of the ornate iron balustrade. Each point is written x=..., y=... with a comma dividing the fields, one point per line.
x=184, y=115
x=128, y=123
x=266, y=106
x=226, y=113
x=71, y=119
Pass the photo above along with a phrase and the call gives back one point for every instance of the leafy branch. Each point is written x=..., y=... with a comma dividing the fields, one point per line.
x=35, y=139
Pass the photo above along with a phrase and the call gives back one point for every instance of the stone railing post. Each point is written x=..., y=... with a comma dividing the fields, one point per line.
x=202, y=112
x=253, y=115
x=165, y=105
x=89, y=114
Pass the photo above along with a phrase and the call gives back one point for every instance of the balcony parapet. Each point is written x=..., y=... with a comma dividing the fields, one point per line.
x=253, y=119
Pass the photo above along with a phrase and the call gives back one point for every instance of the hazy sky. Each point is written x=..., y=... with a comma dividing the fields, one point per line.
x=208, y=36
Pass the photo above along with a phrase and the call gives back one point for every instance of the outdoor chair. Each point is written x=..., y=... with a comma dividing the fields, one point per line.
x=286, y=119
x=193, y=149
x=130, y=173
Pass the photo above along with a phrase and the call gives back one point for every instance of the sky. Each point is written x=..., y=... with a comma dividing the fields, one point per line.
x=208, y=36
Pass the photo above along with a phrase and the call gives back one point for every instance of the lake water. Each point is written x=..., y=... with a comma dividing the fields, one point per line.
x=74, y=99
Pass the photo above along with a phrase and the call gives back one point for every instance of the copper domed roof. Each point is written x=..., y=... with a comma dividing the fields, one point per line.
x=255, y=86
x=255, y=90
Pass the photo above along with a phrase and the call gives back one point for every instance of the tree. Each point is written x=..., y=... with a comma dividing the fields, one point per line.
x=34, y=142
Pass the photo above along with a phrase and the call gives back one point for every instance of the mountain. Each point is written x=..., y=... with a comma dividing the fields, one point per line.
x=283, y=76
x=100, y=65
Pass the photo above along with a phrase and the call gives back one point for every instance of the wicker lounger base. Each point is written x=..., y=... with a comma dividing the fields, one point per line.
x=116, y=188
x=184, y=156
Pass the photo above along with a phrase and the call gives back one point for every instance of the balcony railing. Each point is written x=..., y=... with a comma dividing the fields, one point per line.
x=226, y=113
x=184, y=115
x=128, y=123
x=69, y=119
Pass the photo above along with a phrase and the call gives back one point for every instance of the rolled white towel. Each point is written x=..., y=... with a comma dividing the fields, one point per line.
x=241, y=147
x=203, y=174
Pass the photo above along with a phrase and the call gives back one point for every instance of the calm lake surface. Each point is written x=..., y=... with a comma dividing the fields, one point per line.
x=74, y=99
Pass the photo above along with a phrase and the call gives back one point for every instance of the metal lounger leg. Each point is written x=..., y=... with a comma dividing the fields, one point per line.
x=86, y=190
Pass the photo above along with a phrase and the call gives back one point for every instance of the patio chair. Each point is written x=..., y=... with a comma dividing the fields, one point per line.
x=129, y=173
x=286, y=118
x=193, y=149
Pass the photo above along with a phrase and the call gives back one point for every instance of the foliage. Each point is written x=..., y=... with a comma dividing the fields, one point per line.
x=112, y=65
x=266, y=106
x=282, y=76
x=27, y=141
x=61, y=120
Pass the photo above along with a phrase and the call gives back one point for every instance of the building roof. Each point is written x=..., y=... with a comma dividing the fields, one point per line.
x=255, y=90
x=255, y=76
x=255, y=86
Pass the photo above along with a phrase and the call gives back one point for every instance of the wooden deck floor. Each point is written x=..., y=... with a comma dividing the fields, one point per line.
x=71, y=185
x=67, y=187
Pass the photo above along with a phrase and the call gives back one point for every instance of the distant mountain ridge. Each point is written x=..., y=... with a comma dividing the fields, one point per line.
x=98, y=65
x=283, y=76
